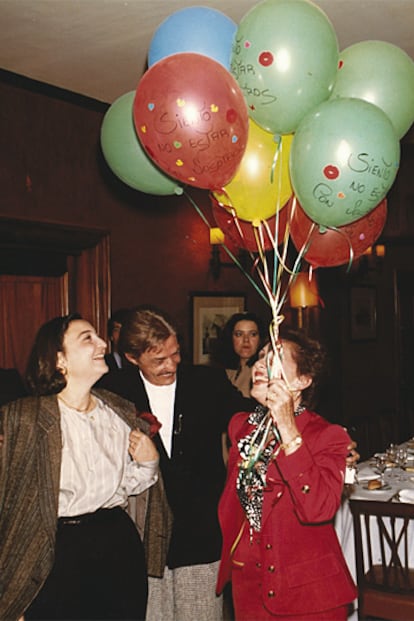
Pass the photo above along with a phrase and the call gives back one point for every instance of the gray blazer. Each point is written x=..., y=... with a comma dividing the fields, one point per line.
x=30, y=462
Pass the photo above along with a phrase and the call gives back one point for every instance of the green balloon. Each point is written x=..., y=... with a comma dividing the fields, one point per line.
x=343, y=160
x=285, y=60
x=125, y=156
x=382, y=74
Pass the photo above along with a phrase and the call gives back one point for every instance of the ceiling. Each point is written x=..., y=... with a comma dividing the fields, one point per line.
x=98, y=48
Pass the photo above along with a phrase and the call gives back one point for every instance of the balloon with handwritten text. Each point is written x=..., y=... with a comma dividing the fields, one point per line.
x=196, y=29
x=381, y=73
x=285, y=59
x=329, y=247
x=126, y=157
x=191, y=118
x=343, y=160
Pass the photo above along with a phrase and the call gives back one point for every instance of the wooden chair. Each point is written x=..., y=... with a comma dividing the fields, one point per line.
x=385, y=580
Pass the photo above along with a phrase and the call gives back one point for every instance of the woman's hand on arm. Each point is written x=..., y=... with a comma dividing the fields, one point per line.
x=141, y=447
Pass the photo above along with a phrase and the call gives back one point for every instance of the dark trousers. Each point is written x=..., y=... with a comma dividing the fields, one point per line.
x=99, y=571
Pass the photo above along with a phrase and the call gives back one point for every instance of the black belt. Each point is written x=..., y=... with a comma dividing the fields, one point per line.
x=97, y=516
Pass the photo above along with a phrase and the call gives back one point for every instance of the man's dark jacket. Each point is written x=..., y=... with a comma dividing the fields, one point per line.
x=194, y=476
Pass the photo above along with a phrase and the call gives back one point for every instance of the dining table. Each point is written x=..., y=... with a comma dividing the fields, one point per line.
x=397, y=485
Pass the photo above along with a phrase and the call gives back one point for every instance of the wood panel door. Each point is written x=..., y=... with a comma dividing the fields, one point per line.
x=26, y=302
x=48, y=270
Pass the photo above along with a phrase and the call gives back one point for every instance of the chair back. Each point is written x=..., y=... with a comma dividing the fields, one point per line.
x=383, y=532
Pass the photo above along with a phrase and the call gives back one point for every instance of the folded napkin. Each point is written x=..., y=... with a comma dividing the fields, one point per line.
x=366, y=473
x=406, y=495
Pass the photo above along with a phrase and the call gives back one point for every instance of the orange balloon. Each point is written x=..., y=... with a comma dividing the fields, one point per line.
x=261, y=185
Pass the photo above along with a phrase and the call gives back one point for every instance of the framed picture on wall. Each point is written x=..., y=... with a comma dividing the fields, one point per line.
x=363, y=313
x=209, y=313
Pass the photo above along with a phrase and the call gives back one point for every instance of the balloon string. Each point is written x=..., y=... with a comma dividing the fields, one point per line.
x=273, y=295
x=277, y=157
x=263, y=273
x=278, y=263
x=239, y=265
x=240, y=231
x=293, y=275
x=198, y=210
x=275, y=369
x=230, y=209
x=282, y=266
x=277, y=138
x=348, y=241
x=258, y=236
x=230, y=254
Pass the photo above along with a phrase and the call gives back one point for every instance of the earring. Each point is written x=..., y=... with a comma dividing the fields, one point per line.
x=63, y=370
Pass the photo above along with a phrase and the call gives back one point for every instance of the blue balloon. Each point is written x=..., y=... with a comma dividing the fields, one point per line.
x=196, y=29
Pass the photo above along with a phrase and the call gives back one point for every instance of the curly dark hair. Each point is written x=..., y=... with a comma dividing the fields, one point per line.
x=226, y=355
x=42, y=375
x=311, y=359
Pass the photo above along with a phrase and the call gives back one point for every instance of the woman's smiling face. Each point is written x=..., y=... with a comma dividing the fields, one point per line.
x=83, y=354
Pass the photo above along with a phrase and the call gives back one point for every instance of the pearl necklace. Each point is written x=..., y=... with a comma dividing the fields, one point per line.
x=72, y=407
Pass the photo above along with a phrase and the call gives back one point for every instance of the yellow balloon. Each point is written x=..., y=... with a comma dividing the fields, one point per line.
x=261, y=185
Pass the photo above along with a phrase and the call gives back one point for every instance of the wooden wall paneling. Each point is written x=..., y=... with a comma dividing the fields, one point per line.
x=89, y=274
x=26, y=302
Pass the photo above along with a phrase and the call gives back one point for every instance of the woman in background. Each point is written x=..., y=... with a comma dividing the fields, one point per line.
x=241, y=339
x=240, y=342
x=70, y=458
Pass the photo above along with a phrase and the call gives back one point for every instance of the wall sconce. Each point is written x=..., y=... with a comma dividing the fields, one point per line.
x=372, y=259
x=215, y=263
x=303, y=294
x=375, y=251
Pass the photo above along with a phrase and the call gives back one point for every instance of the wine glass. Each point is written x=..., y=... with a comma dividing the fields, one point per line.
x=401, y=460
x=391, y=454
x=381, y=465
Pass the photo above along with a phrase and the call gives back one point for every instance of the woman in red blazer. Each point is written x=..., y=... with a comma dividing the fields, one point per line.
x=285, y=480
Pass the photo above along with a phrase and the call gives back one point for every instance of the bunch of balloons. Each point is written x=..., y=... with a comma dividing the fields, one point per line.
x=187, y=120
x=292, y=137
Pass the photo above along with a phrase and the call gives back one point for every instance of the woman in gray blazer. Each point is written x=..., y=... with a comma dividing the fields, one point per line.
x=70, y=458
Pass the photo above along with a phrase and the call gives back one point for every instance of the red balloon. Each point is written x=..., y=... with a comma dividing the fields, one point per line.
x=192, y=120
x=329, y=247
x=241, y=232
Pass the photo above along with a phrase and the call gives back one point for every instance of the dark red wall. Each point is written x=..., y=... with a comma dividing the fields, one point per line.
x=52, y=170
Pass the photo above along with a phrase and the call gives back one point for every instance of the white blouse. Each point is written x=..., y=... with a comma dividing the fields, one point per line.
x=97, y=471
